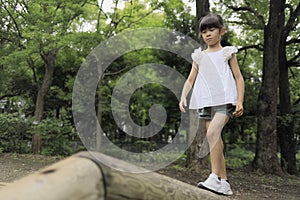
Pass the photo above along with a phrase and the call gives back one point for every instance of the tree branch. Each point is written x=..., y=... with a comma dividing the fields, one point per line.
x=258, y=47
x=8, y=95
x=30, y=62
x=13, y=42
x=294, y=61
x=248, y=23
x=136, y=21
x=99, y=14
x=251, y=10
x=14, y=21
x=290, y=24
x=293, y=41
x=117, y=72
x=297, y=101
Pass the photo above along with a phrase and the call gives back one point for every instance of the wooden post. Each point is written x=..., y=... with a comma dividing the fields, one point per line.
x=85, y=177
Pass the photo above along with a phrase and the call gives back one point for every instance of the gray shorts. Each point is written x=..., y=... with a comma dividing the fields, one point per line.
x=208, y=113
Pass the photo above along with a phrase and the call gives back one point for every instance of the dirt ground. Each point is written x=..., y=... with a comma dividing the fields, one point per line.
x=245, y=185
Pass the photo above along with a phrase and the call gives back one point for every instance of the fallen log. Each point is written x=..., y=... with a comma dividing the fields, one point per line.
x=84, y=177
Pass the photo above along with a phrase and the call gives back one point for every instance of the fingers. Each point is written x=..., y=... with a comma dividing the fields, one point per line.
x=182, y=105
x=238, y=111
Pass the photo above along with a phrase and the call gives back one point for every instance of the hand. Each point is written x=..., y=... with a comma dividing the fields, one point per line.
x=182, y=104
x=239, y=110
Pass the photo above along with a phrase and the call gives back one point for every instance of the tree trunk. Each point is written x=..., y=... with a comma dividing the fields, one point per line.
x=99, y=118
x=285, y=128
x=196, y=154
x=193, y=160
x=202, y=8
x=49, y=60
x=266, y=145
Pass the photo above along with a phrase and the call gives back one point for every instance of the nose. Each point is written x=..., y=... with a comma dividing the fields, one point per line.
x=205, y=35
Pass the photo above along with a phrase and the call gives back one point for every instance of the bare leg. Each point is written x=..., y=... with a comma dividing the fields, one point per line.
x=214, y=129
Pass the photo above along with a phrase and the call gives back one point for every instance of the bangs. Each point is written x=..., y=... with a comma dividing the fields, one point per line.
x=210, y=21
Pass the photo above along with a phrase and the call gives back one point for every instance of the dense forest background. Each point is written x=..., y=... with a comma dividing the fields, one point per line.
x=44, y=43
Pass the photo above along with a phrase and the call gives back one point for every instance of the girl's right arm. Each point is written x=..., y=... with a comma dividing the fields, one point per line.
x=187, y=86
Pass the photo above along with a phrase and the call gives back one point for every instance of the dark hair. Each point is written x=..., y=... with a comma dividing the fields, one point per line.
x=211, y=20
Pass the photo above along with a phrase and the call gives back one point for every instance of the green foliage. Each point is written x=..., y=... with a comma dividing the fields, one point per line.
x=14, y=136
x=35, y=27
x=58, y=137
x=238, y=157
x=180, y=163
x=177, y=16
x=145, y=146
x=31, y=31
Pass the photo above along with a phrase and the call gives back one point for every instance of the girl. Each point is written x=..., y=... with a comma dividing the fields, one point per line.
x=218, y=94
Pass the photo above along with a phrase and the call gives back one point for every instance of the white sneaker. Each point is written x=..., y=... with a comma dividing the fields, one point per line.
x=225, y=188
x=212, y=183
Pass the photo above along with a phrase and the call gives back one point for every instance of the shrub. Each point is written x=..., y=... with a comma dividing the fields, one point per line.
x=14, y=136
x=58, y=136
x=238, y=157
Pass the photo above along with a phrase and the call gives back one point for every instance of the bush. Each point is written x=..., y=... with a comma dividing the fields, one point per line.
x=238, y=157
x=58, y=137
x=144, y=146
x=14, y=136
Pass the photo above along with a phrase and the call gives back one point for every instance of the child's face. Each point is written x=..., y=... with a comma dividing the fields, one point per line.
x=212, y=36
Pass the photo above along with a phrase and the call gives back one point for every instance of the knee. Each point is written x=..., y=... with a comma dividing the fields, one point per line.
x=212, y=136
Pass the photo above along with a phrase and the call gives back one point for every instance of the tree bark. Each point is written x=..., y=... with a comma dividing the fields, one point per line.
x=285, y=126
x=202, y=8
x=286, y=135
x=49, y=62
x=266, y=145
x=193, y=161
x=86, y=176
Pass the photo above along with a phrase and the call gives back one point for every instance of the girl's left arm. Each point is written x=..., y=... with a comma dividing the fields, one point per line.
x=240, y=85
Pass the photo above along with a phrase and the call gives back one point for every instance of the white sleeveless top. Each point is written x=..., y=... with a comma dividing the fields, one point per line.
x=214, y=84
